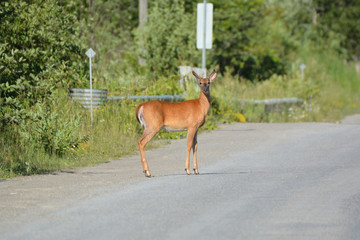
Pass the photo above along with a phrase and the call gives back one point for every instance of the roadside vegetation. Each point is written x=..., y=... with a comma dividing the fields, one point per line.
x=258, y=47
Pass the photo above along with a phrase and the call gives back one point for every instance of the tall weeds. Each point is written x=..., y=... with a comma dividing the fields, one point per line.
x=330, y=90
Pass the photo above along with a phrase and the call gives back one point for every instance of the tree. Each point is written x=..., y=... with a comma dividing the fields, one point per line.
x=341, y=17
x=237, y=40
x=39, y=51
x=168, y=38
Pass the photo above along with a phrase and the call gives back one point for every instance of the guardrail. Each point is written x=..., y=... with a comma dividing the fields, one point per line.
x=166, y=98
x=100, y=97
x=275, y=104
x=82, y=95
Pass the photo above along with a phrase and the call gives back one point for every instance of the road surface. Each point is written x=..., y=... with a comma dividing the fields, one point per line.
x=257, y=181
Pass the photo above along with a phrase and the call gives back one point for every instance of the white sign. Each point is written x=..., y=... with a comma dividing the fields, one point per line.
x=302, y=67
x=200, y=26
x=90, y=53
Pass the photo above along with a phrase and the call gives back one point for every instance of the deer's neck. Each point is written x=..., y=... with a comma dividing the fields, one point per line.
x=207, y=95
x=205, y=101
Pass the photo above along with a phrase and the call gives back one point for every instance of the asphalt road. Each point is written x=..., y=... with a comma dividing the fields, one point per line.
x=257, y=181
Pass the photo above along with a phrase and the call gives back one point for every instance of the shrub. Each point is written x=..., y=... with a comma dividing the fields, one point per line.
x=39, y=51
x=240, y=41
x=54, y=129
x=168, y=39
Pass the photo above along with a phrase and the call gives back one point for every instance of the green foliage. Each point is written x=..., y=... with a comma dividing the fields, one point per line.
x=262, y=69
x=11, y=159
x=168, y=38
x=342, y=19
x=163, y=86
x=55, y=130
x=113, y=133
x=39, y=51
x=107, y=27
x=329, y=89
x=237, y=44
x=296, y=18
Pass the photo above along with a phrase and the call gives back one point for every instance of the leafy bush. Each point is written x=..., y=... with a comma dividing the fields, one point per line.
x=40, y=143
x=107, y=27
x=39, y=51
x=55, y=129
x=340, y=18
x=239, y=43
x=168, y=38
x=262, y=67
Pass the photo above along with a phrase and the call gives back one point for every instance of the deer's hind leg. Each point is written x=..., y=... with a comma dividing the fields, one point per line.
x=148, y=134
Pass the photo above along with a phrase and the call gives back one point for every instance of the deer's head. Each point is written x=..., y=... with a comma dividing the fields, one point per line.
x=205, y=82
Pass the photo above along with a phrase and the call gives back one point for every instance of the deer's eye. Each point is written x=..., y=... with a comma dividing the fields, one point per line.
x=200, y=83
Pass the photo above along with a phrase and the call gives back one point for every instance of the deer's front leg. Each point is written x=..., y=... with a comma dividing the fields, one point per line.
x=194, y=147
x=190, y=140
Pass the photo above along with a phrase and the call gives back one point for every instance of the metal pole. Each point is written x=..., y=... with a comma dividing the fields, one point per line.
x=90, y=53
x=91, y=98
x=204, y=42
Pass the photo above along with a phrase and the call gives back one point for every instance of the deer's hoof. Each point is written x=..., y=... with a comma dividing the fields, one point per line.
x=196, y=171
x=147, y=173
x=187, y=171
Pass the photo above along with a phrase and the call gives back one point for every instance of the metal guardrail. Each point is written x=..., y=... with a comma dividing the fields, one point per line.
x=100, y=97
x=275, y=104
x=166, y=98
x=82, y=95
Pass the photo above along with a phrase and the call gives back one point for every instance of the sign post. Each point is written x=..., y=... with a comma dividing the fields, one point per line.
x=90, y=53
x=203, y=65
x=204, y=29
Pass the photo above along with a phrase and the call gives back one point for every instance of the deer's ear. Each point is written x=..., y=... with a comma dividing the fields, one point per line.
x=212, y=76
x=195, y=75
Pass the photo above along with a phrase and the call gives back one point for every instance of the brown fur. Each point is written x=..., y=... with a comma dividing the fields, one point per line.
x=188, y=115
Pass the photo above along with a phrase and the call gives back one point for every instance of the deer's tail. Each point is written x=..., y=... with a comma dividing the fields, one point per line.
x=140, y=116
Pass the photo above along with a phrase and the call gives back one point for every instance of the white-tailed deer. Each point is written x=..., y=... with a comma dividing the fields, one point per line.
x=190, y=115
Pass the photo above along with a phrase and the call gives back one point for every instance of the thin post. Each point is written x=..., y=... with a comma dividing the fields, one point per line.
x=90, y=53
x=91, y=98
x=204, y=42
